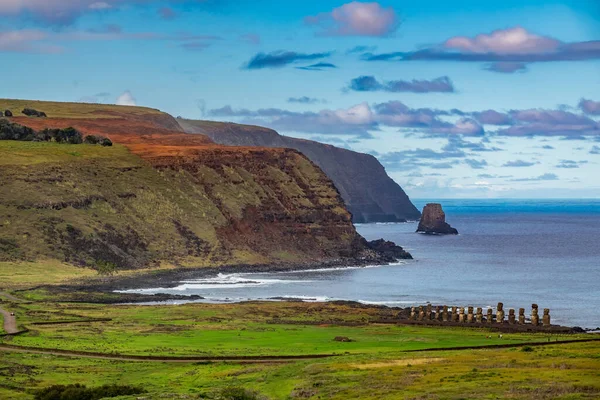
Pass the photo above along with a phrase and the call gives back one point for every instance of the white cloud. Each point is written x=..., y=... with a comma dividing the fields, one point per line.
x=515, y=40
x=357, y=19
x=26, y=40
x=126, y=99
x=100, y=5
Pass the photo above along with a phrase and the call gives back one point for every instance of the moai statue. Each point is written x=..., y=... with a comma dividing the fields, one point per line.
x=490, y=316
x=546, y=317
x=461, y=315
x=438, y=313
x=470, y=315
x=445, y=314
x=421, y=313
x=521, y=316
x=479, y=315
x=500, y=313
x=454, y=316
x=511, y=316
x=428, y=313
x=413, y=313
x=535, y=318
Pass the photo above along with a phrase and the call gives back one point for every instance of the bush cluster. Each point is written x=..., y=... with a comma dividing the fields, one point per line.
x=13, y=131
x=81, y=392
x=10, y=131
x=67, y=135
x=96, y=139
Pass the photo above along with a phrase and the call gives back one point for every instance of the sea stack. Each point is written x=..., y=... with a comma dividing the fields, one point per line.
x=433, y=221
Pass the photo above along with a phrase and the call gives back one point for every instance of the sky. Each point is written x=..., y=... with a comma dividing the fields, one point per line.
x=457, y=99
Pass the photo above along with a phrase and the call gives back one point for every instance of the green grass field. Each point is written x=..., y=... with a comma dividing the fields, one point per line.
x=72, y=110
x=32, y=153
x=375, y=366
x=250, y=329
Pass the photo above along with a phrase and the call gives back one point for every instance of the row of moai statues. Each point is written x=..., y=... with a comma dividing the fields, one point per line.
x=472, y=315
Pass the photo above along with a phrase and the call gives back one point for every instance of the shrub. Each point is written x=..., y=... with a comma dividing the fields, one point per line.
x=105, y=268
x=81, y=392
x=527, y=349
x=91, y=139
x=67, y=135
x=96, y=139
x=12, y=131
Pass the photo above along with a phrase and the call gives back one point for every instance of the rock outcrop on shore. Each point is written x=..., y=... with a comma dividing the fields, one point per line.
x=433, y=221
x=389, y=250
x=369, y=193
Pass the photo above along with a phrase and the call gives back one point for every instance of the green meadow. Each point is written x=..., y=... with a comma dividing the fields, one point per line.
x=249, y=329
x=376, y=364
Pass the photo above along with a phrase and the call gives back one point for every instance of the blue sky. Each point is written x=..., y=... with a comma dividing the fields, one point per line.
x=456, y=98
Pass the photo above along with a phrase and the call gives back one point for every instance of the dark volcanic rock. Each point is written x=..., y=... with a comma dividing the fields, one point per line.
x=8, y=113
x=433, y=221
x=369, y=193
x=30, y=112
x=389, y=250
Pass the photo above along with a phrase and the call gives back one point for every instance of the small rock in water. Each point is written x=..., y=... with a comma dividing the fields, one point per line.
x=433, y=221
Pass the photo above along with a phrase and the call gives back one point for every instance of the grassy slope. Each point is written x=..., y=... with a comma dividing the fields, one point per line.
x=72, y=110
x=372, y=367
x=166, y=197
x=111, y=193
x=566, y=372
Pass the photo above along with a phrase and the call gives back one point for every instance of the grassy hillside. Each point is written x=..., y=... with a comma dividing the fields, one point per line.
x=73, y=110
x=106, y=207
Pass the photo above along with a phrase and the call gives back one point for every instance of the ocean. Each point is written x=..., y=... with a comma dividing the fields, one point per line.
x=517, y=252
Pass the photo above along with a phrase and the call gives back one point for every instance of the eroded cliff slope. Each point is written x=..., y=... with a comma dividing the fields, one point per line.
x=370, y=194
x=163, y=196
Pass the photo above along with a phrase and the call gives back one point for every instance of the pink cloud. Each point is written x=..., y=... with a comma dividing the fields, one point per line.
x=590, y=106
x=357, y=19
x=64, y=12
x=53, y=11
x=26, y=41
x=515, y=40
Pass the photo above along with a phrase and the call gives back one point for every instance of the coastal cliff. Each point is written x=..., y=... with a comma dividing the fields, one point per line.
x=433, y=221
x=161, y=196
x=369, y=193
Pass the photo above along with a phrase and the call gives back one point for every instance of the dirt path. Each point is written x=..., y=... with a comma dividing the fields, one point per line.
x=10, y=322
x=247, y=359
x=105, y=356
x=10, y=297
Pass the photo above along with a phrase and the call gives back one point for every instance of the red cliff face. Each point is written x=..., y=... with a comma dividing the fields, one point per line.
x=369, y=193
x=176, y=198
x=433, y=221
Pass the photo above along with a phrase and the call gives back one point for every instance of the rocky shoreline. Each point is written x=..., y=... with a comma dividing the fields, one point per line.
x=172, y=278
